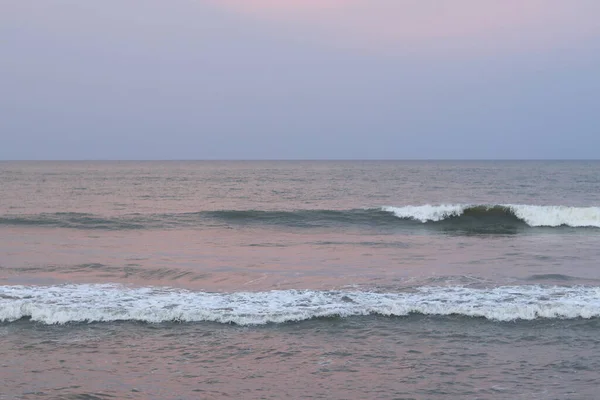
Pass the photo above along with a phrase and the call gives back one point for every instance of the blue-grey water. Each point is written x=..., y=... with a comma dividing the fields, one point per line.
x=333, y=280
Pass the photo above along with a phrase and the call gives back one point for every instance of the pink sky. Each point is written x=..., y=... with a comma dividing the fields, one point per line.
x=380, y=24
x=300, y=79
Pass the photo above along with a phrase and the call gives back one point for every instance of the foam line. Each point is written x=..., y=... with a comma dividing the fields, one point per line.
x=103, y=303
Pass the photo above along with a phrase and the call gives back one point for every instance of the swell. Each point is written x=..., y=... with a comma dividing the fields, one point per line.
x=107, y=303
x=73, y=220
x=509, y=218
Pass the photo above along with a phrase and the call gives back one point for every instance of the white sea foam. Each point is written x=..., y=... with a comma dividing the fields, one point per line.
x=535, y=216
x=427, y=212
x=97, y=303
x=557, y=215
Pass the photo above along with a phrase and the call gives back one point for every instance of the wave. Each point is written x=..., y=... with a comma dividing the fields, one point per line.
x=106, y=303
x=509, y=218
x=532, y=215
x=74, y=220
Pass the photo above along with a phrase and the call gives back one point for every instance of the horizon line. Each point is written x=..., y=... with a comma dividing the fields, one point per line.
x=285, y=159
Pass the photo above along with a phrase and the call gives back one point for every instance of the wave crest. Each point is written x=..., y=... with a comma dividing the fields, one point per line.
x=102, y=303
x=532, y=215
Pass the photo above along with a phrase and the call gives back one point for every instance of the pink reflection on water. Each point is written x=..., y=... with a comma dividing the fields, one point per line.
x=220, y=259
x=213, y=259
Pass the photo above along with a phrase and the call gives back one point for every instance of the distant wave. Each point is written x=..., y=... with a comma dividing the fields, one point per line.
x=73, y=220
x=105, y=303
x=532, y=215
x=508, y=218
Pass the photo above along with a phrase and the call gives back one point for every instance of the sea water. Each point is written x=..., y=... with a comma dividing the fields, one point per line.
x=304, y=279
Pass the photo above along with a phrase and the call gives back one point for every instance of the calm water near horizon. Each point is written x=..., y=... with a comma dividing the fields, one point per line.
x=300, y=279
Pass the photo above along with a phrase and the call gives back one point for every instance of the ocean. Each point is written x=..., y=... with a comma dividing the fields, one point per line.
x=300, y=279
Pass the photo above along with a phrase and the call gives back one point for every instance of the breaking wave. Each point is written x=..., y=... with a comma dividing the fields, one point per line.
x=105, y=303
x=532, y=215
x=459, y=217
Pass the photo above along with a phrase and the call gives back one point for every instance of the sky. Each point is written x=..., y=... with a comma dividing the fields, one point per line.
x=299, y=79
